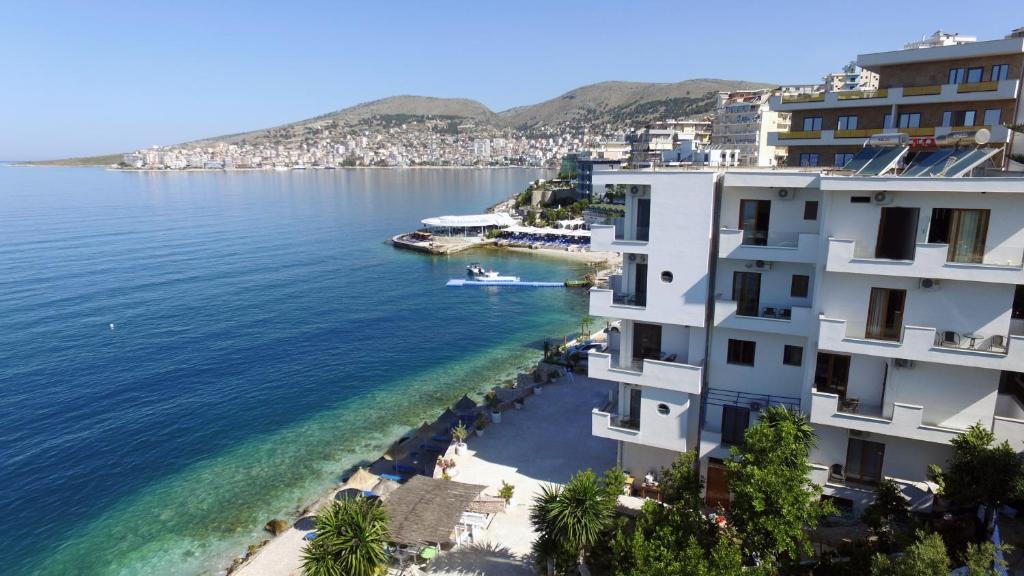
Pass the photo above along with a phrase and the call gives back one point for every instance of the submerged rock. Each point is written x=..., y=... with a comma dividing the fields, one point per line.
x=277, y=526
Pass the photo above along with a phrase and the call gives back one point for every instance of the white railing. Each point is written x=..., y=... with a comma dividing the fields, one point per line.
x=791, y=248
x=906, y=420
x=603, y=238
x=799, y=323
x=1000, y=265
x=675, y=376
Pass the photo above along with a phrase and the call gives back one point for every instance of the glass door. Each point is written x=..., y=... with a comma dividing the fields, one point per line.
x=641, y=285
x=885, y=314
x=754, y=216
x=746, y=291
x=967, y=232
x=646, y=341
x=643, y=219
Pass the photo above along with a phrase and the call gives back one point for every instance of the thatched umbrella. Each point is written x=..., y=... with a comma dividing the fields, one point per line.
x=465, y=406
x=348, y=494
x=448, y=419
x=385, y=487
x=361, y=480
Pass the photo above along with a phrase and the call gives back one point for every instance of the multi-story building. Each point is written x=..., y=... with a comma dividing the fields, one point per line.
x=889, y=309
x=742, y=121
x=852, y=78
x=924, y=92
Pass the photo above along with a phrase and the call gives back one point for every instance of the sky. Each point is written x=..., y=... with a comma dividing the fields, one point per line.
x=84, y=78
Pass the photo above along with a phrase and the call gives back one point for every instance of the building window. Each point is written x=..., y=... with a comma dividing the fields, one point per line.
x=860, y=199
x=811, y=210
x=847, y=123
x=812, y=123
x=1018, y=303
x=809, y=159
x=666, y=277
x=968, y=118
x=1000, y=72
x=741, y=352
x=735, y=420
x=864, y=461
x=991, y=117
x=910, y=120
x=663, y=409
x=956, y=75
x=974, y=74
x=842, y=159
x=947, y=118
x=793, y=355
x=887, y=121
x=798, y=287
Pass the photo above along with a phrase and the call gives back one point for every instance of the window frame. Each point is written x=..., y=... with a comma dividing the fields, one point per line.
x=956, y=75
x=809, y=156
x=980, y=70
x=732, y=432
x=947, y=118
x=913, y=120
x=985, y=118
x=808, y=204
x=974, y=117
x=794, y=283
x=848, y=119
x=999, y=72
x=846, y=156
x=736, y=352
x=789, y=349
x=859, y=476
x=815, y=123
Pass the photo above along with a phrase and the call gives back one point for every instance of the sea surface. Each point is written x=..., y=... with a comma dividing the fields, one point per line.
x=184, y=356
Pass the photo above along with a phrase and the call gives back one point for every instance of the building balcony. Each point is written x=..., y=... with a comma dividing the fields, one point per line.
x=924, y=344
x=930, y=94
x=905, y=421
x=604, y=238
x=800, y=248
x=789, y=320
x=858, y=137
x=606, y=423
x=671, y=373
x=614, y=304
x=1005, y=265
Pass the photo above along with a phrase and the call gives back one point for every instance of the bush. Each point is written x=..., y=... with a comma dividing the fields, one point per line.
x=926, y=557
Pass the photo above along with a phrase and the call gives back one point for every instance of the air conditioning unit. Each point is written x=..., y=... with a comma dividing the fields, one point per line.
x=642, y=258
x=761, y=265
x=929, y=284
x=785, y=194
x=902, y=363
x=882, y=198
x=634, y=190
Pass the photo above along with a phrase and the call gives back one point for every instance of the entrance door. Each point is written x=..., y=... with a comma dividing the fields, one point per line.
x=754, y=216
x=646, y=341
x=634, y=407
x=885, y=314
x=746, y=291
x=643, y=219
x=716, y=491
x=897, y=233
x=641, y=285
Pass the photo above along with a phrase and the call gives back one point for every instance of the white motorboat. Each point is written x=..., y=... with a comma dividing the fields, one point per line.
x=475, y=270
x=493, y=277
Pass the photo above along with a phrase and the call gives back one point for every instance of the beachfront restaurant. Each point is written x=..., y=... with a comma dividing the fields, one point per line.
x=562, y=238
x=466, y=225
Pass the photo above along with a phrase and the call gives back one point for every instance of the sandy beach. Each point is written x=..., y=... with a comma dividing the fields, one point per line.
x=545, y=442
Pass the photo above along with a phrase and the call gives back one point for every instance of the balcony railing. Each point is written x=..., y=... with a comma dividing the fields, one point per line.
x=919, y=343
x=906, y=421
x=999, y=90
x=787, y=319
x=609, y=238
x=795, y=247
x=977, y=87
x=671, y=372
x=1002, y=264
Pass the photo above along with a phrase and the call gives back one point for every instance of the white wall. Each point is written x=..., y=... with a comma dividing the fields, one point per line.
x=964, y=307
x=952, y=396
x=775, y=283
x=1005, y=241
x=638, y=460
x=786, y=220
x=769, y=375
x=903, y=459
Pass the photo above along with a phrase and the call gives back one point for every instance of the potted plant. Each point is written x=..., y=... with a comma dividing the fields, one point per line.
x=493, y=402
x=506, y=492
x=518, y=403
x=459, y=434
x=480, y=424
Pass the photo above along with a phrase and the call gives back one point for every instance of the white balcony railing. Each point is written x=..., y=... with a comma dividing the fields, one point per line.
x=907, y=420
x=923, y=344
x=674, y=376
x=802, y=248
x=858, y=137
x=606, y=425
x=1003, y=265
x=604, y=239
x=790, y=320
x=610, y=304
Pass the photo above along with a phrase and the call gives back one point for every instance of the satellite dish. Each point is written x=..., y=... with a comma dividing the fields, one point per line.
x=982, y=136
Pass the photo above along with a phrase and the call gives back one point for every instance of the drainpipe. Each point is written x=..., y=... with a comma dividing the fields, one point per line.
x=709, y=308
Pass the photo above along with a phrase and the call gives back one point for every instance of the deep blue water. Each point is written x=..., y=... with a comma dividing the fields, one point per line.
x=264, y=339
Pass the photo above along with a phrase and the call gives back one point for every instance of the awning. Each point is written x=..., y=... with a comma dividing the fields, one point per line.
x=469, y=221
x=547, y=231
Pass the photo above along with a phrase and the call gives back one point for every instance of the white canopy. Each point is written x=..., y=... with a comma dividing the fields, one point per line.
x=577, y=223
x=548, y=231
x=469, y=221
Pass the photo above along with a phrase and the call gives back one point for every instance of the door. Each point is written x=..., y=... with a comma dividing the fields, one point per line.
x=643, y=219
x=716, y=491
x=897, y=233
x=646, y=341
x=634, y=407
x=746, y=291
x=754, y=216
x=885, y=314
x=967, y=232
x=832, y=373
x=641, y=285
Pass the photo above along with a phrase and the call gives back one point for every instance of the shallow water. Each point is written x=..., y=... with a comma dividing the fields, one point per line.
x=264, y=340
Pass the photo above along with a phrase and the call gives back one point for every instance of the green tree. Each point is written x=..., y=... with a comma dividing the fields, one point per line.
x=350, y=540
x=570, y=520
x=888, y=509
x=982, y=472
x=981, y=559
x=925, y=557
x=774, y=499
x=585, y=324
x=681, y=483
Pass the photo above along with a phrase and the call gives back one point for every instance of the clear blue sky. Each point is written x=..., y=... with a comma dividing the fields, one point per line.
x=82, y=78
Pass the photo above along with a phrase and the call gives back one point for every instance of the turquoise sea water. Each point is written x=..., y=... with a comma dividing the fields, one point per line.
x=264, y=340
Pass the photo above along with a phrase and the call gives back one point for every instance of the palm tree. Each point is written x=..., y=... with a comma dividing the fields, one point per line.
x=350, y=540
x=585, y=323
x=570, y=520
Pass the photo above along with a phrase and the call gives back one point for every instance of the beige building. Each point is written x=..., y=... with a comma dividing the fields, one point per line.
x=742, y=121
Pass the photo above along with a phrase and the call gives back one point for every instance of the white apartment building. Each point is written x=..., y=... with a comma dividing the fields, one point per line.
x=851, y=79
x=743, y=121
x=886, y=308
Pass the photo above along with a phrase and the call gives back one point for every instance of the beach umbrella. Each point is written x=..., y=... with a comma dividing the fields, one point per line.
x=306, y=523
x=385, y=487
x=348, y=494
x=362, y=479
x=465, y=405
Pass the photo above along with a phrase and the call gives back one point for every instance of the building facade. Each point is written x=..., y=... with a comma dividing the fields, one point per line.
x=927, y=93
x=889, y=309
x=743, y=121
